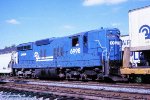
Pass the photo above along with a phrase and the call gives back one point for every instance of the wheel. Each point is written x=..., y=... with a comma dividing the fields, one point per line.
x=61, y=76
x=138, y=79
x=83, y=77
x=68, y=76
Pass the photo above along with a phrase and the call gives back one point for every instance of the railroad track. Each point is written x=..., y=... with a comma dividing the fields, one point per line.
x=80, y=90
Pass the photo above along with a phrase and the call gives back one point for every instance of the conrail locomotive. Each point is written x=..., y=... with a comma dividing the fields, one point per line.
x=94, y=54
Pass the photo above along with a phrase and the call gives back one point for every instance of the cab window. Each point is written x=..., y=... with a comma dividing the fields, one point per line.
x=85, y=40
x=75, y=41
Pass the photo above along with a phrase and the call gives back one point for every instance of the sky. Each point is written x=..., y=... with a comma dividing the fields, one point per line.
x=23, y=21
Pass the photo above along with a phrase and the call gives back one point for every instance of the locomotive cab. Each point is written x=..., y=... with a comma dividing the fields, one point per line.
x=114, y=52
x=111, y=54
x=98, y=53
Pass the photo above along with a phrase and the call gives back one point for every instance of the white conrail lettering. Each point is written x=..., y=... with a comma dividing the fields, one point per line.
x=115, y=43
x=23, y=54
x=75, y=51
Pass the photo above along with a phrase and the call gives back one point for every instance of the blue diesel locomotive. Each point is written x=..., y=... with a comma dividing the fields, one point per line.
x=94, y=54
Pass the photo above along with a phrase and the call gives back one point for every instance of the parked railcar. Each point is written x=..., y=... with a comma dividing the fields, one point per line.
x=93, y=54
x=134, y=56
x=8, y=56
x=4, y=63
x=139, y=33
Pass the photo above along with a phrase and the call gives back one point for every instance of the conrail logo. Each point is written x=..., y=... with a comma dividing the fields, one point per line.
x=146, y=30
x=38, y=58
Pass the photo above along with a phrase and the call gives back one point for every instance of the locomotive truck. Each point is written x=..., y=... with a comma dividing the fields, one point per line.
x=94, y=54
